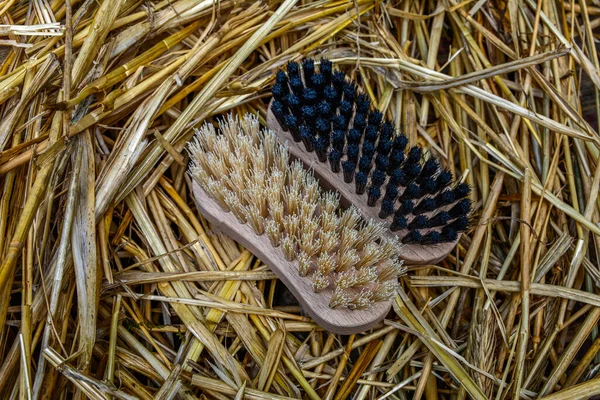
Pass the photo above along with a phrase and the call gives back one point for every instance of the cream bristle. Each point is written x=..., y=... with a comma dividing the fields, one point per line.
x=273, y=232
x=288, y=246
x=247, y=172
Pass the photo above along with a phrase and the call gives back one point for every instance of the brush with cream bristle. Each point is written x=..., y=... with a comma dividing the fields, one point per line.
x=340, y=267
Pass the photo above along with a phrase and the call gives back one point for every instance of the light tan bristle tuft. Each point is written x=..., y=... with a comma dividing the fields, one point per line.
x=249, y=173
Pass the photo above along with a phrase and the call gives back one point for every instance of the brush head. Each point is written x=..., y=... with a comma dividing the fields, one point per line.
x=373, y=167
x=275, y=207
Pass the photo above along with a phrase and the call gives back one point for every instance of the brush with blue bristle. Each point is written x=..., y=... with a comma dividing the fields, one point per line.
x=333, y=128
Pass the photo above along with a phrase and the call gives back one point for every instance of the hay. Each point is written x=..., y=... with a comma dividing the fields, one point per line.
x=113, y=286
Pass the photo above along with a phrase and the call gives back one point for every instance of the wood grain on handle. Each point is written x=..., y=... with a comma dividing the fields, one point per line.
x=412, y=254
x=341, y=321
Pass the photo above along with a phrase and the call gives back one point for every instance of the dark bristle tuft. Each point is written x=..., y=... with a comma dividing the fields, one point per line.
x=444, y=178
x=309, y=96
x=368, y=149
x=360, y=182
x=426, y=205
x=412, y=191
x=363, y=104
x=364, y=164
x=359, y=122
x=411, y=170
x=345, y=109
x=449, y=234
x=338, y=79
x=400, y=142
x=396, y=158
x=419, y=222
x=444, y=198
x=354, y=136
x=308, y=68
x=324, y=109
x=387, y=208
x=374, y=195
x=278, y=111
x=293, y=102
x=326, y=69
x=339, y=122
x=399, y=222
x=309, y=113
x=429, y=168
x=387, y=130
x=293, y=69
x=371, y=133
x=382, y=162
x=414, y=154
x=296, y=85
x=337, y=140
x=384, y=146
x=349, y=92
x=391, y=193
x=439, y=219
x=378, y=178
x=459, y=224
x=461, y=190
x=429, y=185
x=432, y=237
x=321, y=145
x=306, y=135
x=460, y=209
x=375, y=118
x=349, y=167
x=412, y=237
x=398, y=177
x=331, y=95
x=279, y=91
x=406, y=207
x=318, y=82
x=334, y=160
x=281, y=78
x=291, y=122
x=323, y=127
x=352, y=151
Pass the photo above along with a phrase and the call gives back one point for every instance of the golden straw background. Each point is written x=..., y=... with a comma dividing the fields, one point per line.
x=112, y=286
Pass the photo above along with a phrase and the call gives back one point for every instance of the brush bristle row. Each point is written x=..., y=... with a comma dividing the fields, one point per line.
x=335, y=249
x=356, y=140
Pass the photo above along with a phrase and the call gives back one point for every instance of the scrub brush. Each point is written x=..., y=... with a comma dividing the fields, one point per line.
x=333, y=128
x=339, y=266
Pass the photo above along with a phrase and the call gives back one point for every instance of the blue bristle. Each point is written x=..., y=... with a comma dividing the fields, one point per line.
x=399, y=222
x=359, y=122
x=293, y=69
x=293, y=102
x=375, y=118
x=345, y=108
x=349, y=92
x=429, y=168
x=281, y=78
x=297, y=86
x=387, y=208
x=308, y=67
x=331, y=95
x=412, y=191
x=321, y=146
x=338, y=79
x=354, y=136
x=279, y=112
x=426, y=205
x=382, y=162
x=444, y=198
x=368, y=149
x=374, y=195
x=306, y=136
x=339, y=122
x=334, y=160
x=363, y=104
x=352, y=151
x=279, y=91
x=460, y=224
x=364, y=164
x=400, y=142
x=412, y=170
x=406, y=206
x=326, y=68
x=360, y=182
x=371, y=133
x=309, y=114
x=439, y=219
x=391, y=193
x=398, y=177
x=377, y=178
x=337, y=140
x=291, y=122
x=349, y=167
x=449, y=234
x=387, y=130
x=461, y=190
x=432, y=237
x=397, y=157
x=318, y=82
x=412, y=237
x=324, y=109
x=323, y=127
x=384, y=147
x=429, y=185
x=414, y=154
x=460, y=209
x=444, y=178
x=309, y=96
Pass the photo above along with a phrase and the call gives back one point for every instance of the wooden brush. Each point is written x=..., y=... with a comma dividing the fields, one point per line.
x=332, y=128
x=341, y=267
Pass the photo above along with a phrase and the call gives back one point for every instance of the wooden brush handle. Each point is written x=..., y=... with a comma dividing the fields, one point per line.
x=341, y=321
x=412, y=254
